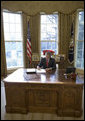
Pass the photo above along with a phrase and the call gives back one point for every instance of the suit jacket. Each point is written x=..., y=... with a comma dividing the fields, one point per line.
x=51, y=63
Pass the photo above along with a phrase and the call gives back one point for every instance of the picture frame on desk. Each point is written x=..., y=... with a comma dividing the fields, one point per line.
x=57, y=58
x=60, y=57
x=35, y=57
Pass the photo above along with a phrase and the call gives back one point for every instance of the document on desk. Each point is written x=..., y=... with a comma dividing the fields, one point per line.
x=31, y=70
x=40, y=71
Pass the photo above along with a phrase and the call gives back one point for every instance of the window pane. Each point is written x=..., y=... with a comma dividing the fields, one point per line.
x=6, y=36
x=12, y=27
x=17, y=18
x=14, y=55
x=11, y=18
x=80, y=45
x=81, y=17
x=80, y=42
x=6, y=17
x=18, y=27
x=49, y=26
x=6, y=27
x=43, y=28
x=49, y=32
x=78, y=63
x=81, y=35
x=43, y=19
x=43, y=36
x=13, y=34
x=43, y=45
x=80, y=54
x=82, y=65
x=81, y=26
x=54, y=45
x=49, y=45
x=18, y=36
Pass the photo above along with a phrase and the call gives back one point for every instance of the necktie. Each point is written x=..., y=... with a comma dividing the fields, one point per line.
x=47, y=62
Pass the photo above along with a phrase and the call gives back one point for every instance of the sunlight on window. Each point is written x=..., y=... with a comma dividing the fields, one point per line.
x=13, y=39
x=49, y=33
x=80, y=41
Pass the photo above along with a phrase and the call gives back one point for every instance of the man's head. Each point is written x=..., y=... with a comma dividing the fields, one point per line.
x=48, y=55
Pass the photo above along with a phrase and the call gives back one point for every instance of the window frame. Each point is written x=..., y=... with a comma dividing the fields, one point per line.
x=79, y=70
x=49, y=40
x=11, y=69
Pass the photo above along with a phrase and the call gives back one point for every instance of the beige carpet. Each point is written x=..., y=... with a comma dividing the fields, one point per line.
x=31, y=116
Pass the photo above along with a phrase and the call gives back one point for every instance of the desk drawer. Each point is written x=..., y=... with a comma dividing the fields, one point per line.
x=42, y=98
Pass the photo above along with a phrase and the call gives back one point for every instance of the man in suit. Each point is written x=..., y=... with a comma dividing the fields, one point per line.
x=47, y=63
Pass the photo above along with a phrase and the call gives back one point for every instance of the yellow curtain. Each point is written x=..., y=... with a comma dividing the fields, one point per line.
x=3, y=55
x=24, y=28
x=35, y=32
x=65, y=21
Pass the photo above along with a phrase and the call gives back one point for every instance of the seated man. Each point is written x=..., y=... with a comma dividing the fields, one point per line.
x=47, y=63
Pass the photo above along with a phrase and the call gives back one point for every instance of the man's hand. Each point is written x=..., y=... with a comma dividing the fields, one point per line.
x=48, y=69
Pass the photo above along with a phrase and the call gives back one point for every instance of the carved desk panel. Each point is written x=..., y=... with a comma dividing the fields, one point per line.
x=50, y=92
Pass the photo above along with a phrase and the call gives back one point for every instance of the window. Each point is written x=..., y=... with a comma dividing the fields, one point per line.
x=13, y=39
x=49, y=33
x=79, y=63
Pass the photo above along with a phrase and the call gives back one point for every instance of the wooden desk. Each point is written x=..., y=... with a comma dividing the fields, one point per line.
x=49, y=92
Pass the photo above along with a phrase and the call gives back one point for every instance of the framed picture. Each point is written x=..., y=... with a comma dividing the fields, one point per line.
x=35, y=57
x=60, y=57
x=57, y=58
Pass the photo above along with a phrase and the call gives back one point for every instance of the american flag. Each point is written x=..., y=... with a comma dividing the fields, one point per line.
x=29, y=49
